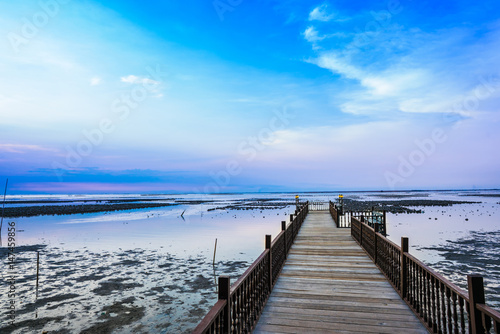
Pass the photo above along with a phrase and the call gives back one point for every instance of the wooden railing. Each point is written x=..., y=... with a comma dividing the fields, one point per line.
x=442, y=306
x=318, y=206
x=369, y=217
x=240, y=305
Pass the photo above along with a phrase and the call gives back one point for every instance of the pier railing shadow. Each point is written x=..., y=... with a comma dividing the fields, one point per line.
x=442, y=306
x=240, y=304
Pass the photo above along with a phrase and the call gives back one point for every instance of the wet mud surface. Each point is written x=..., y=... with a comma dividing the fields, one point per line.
x=477, y=253
x=134, y=291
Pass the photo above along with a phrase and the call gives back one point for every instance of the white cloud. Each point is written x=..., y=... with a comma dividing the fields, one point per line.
x=132, y=79
x=415, y=72
x=22, y=148
x=311, y=35
x=95, y=81
x=320, y=13
x=339, y=65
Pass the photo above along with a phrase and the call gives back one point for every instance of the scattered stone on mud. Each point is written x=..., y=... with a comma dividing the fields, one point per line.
x=129, y=263
x=116, y=316
x=22, y=249
x=91, y=277
x=476, y=253
x=32, y=324
x=109, y=287
x=200, y=282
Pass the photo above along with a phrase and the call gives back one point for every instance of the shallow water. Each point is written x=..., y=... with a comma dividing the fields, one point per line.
x=150, y=270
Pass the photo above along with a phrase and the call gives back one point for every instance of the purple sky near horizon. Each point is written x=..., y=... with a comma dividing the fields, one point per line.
x=118, y=96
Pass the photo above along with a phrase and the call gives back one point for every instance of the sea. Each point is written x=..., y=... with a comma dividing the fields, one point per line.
x=154, y=270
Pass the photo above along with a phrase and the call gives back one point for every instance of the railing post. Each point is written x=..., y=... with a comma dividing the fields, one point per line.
x=360, y=230
x=375, y=238
x=270, y=268
x=384, y=231
x=476, y=296
x=225, y=293
x=283, y=228
x=293, y=227
x=403, y=274
x=337, y=216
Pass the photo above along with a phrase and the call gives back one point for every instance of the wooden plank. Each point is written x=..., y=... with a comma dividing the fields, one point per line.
x=330, y=285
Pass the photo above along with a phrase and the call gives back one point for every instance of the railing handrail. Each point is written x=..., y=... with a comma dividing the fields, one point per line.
x=438, y=303
x=242, y=278
x=221, y=318
x=489, y=311
x=211, y=316
x=276, y=239
x=461, y=292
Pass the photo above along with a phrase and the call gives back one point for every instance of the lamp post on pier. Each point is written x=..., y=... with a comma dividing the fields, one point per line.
x=341, y=204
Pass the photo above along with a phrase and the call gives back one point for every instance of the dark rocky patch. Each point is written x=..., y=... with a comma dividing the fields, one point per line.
x=129, y=263
x=60, y=263
x=165, y=299
x=125, y=315
x=31, y=307
x=200, y=282
x=172, y=287
x=32, y=324
x=56, y=298
x=91, y=277
x=397, y=206
x=4, y=251
x=193, y=202
x=482, y=195
x=256, y=205
x=109, y=287
x=400, y=195
x=52, y=210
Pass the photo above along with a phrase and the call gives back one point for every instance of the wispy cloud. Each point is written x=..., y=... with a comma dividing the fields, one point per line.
x=95, y=81
x=321, y=13
x=133, y=79
x=311, y=35
x=422, y=75
x=23, y=148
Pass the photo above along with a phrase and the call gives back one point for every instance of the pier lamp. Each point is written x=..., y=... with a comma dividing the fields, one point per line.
x=341, y=204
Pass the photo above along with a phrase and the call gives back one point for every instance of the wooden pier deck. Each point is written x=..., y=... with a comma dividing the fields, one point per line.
x=330, y=285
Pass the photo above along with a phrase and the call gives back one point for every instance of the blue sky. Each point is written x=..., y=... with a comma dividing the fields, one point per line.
x=225, y=96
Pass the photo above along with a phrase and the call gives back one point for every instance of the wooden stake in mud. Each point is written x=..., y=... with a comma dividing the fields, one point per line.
x=37, y=271
x=215, y=250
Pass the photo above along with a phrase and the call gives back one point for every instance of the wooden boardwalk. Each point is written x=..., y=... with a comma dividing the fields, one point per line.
x=330, y=285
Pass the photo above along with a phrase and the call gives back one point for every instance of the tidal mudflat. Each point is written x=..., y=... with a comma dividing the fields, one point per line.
x=150, y=270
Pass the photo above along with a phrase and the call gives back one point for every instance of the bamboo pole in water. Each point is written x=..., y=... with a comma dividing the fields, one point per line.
x=215, y=250
x=37, y=270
